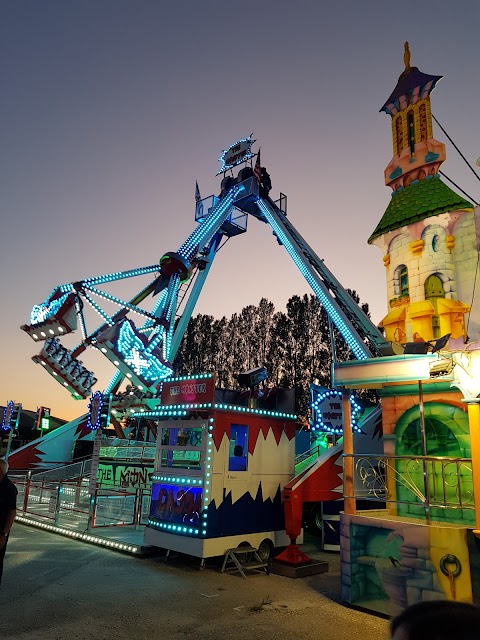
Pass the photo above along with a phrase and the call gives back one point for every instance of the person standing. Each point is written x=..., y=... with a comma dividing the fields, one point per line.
x=8, y=509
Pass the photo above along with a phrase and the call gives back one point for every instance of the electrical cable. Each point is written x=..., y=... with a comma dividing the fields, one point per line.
x=461, y=154
x=470, y=198
x=473, y=292
x=456, y=185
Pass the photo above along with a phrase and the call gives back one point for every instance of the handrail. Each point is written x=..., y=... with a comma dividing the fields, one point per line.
x=71, y=502
x=131, y=452
x=450, y=480
x=315, y=450
x=72, y=470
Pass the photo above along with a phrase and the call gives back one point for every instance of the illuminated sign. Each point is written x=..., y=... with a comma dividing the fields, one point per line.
x=327, y=414
x=7, y=415
x=176, y=503
x=141, y=362
x=58, y=317
x=236, y=154
x=95, y=411
x=189, y=391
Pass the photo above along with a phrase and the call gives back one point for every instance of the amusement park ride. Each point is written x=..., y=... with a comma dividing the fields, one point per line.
x=224, y=473
x=143, y=352
x=141, y=336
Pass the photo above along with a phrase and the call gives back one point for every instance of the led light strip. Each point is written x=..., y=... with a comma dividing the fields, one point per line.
x=258, y=412
x=213, y=221
x=181, y=409
x=173, y=480
x=155, y=311
x=174, y=409
x=197, y=377
x=119, y=301
x=208, y=477
x=355, y=344
x=173, y=528
x=120, y=275
x=84, y=537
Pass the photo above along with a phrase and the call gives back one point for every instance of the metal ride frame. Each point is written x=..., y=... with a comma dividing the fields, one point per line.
x=144, y=353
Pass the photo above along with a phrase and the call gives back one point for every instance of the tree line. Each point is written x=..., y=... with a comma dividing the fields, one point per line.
x=294, y=345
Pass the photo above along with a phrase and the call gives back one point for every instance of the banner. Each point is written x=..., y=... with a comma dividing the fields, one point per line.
x=126, y=476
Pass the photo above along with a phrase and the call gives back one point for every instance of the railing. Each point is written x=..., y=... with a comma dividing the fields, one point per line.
x=316, y=450
x=128, y=450
x=78, y=469
x=434, y=482
x=70, y=504
x=119, y=507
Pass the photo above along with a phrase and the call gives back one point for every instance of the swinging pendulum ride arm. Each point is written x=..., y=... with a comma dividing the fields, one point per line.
x=354, y=325
x=145, y=353
x=181, y=326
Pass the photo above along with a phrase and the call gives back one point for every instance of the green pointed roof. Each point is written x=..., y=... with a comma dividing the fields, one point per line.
x=418, y=201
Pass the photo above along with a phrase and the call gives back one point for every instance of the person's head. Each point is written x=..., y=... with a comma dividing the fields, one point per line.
x=3, y=468
x=238, y=450
x=437, y=620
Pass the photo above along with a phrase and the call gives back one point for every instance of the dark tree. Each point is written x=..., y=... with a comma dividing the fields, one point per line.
x=294, y=346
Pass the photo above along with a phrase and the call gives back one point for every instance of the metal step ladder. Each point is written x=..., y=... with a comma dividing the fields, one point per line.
x=240, y=559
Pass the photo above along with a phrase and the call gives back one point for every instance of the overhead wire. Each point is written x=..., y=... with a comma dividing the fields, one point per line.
x=460, y=189
x=470, y=198
x=473, y=292
x=455, y=146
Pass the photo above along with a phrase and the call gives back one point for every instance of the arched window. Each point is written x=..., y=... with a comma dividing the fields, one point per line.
x=399, y=133
x=423, y=122
x=411, y=132
x=403, y=281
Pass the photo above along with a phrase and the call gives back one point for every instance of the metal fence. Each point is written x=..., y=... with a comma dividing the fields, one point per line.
x=69, y=503
x=132, y=451
x=434, y=482
x=71, y=471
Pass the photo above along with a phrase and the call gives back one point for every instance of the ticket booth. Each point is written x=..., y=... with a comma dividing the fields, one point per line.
x=219, y=472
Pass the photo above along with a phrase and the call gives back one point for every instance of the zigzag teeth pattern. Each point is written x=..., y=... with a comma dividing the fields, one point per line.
x=276, y=469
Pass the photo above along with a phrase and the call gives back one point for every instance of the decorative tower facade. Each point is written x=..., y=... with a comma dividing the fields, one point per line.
x=428, y=232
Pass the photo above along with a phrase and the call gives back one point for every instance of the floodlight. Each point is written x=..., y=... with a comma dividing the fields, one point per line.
x=418, y=348
x=252, y=377
x=391, y=349
x=441, y=343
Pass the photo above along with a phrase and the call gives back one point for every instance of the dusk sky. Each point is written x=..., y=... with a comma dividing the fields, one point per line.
x=111, y=109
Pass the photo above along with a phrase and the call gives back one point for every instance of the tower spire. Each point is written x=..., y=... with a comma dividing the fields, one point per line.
x=406, y=57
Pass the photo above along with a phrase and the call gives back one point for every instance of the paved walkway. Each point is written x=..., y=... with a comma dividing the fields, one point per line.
x=129, y=539
x=56, y=589
x=126, y=538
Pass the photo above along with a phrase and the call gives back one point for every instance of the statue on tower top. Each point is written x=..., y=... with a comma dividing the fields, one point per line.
x=406, y=57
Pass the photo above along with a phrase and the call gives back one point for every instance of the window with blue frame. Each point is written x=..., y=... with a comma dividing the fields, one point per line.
x=238, y=448
x=404, y=289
